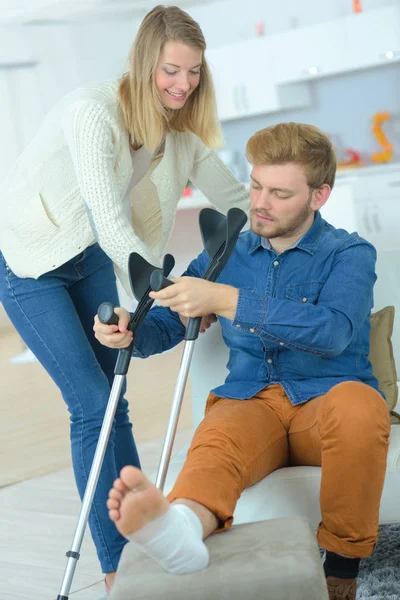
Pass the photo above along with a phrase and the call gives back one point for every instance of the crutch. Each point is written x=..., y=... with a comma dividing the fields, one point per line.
x=219, y=235
x=139, y=275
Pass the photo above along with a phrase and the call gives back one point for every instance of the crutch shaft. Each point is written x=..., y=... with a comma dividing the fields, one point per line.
x=91, y=485
x=174, y=414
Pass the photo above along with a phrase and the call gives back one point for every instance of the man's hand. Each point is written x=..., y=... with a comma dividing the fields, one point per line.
x=114, y=336
x=194, y=297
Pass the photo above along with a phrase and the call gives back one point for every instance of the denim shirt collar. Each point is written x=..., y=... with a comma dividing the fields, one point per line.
x=309, y=242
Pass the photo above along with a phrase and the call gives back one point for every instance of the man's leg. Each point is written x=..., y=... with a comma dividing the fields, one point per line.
x=347, y=432
x=237, y=444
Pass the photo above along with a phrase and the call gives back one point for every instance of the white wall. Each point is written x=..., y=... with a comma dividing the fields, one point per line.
x=73, y=54
x=61, y=58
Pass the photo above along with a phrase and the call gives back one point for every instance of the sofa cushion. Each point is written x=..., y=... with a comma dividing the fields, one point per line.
x=276, y=559
x=381, y=354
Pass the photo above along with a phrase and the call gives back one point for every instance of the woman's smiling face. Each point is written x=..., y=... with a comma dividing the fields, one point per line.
x=178, y=73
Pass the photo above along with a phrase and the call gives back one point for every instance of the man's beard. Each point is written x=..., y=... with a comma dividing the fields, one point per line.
x=287, y=230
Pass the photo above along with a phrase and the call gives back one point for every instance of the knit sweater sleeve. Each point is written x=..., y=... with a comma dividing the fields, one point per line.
x=216, y=181
x=90, y=131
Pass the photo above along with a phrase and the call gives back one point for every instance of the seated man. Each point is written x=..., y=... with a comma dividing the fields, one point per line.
x=294, y=302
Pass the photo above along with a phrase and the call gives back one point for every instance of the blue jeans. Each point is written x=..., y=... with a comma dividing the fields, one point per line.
x=54, y=316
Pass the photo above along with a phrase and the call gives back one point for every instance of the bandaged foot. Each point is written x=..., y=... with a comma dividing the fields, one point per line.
x=170, y=534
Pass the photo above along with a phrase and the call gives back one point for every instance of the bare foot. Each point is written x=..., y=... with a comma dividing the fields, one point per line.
x=134, y=501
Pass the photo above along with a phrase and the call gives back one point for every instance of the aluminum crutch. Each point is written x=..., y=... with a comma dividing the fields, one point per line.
x=219, y=235
x=139, y=274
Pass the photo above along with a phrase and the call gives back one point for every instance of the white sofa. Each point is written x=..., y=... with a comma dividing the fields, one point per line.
x=292, y=491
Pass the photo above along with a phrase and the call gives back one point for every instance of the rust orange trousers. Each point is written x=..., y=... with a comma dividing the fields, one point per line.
x=346, y=432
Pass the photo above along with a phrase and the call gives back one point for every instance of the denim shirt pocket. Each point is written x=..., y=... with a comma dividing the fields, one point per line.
x=307, y=292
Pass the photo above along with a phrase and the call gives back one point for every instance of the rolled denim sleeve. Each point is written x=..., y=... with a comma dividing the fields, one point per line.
x=327, y=327
x=250, y=311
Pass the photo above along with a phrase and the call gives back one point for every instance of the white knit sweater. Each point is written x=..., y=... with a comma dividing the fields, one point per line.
x=66, y=190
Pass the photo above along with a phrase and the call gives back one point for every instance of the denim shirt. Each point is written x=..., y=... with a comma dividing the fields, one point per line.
x=302, y=318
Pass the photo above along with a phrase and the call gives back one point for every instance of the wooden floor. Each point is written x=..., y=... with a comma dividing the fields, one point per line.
x=34, y=422
x=38, y=500
x=37, y=522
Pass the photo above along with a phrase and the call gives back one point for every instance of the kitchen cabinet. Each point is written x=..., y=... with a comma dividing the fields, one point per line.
x=245, y=81
x=368, y=201
x=256, y=91
x=225, y=82
x=373, y=37
x=377, y=199
x=271, y=73
x=340, y=210
x=342, y=45
x=309, y=52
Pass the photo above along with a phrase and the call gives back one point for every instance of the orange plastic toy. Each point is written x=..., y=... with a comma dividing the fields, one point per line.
x=387, y=149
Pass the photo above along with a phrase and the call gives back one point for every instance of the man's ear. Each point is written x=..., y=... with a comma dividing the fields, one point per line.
x=320, y=196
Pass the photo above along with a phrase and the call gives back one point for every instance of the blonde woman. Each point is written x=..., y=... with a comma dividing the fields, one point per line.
x=101, y=179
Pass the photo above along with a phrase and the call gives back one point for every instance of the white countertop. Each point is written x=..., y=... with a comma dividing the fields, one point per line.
x=344, y=175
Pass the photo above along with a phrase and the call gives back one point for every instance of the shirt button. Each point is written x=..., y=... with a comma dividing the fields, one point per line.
x=276, y=263
x=269, y=361
x=252, y=330
x=281, y=343
x=237, y=325
x=304, y=300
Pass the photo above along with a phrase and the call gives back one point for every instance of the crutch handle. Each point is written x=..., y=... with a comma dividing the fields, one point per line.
x=158, y=281
x=106, y=314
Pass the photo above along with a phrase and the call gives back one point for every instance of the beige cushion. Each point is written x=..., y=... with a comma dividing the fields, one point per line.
x=381, y=354
x=277, y=559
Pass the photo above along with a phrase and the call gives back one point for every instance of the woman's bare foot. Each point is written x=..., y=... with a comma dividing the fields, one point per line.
x=134, y=501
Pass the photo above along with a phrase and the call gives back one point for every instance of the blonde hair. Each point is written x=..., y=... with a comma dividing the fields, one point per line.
x=145, y=117
x=303, y=144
